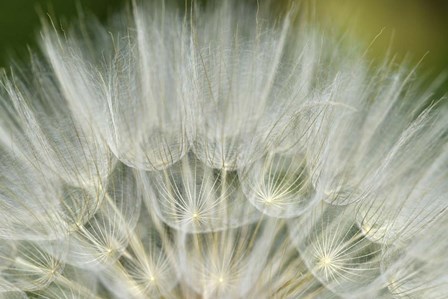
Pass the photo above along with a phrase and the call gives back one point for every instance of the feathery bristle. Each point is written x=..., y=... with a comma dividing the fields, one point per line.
x=209, y=151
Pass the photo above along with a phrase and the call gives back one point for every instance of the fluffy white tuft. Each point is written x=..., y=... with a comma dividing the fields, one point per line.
x=212, y=152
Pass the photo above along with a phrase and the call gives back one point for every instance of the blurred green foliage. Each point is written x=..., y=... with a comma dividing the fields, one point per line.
x=414, y=29
x=20, y=21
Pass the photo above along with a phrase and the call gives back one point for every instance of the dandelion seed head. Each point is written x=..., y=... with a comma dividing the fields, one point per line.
x=209, y=151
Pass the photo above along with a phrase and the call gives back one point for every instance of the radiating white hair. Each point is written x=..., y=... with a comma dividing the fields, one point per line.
x=211, y=152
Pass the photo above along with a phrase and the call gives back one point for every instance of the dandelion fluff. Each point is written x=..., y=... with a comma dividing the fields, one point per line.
x=213, y=151
x=410, y=276
x=232, y=81
x=146, y=111
x=69, y=150
x=355, y=146
x=286, y=274
x=397, y=213
x=147, y=268
x=335, y=251
x=418, y=270
x=227, y=263
x=104, y=237
x=280, y=185
x=29, y=201
x=74, y=283
x=192, y=197
x=121, y=99
x=32, y=268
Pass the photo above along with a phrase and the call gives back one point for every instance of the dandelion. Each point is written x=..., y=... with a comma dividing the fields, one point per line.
x=208, y=151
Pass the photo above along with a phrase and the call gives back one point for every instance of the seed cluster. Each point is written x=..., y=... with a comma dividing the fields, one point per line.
x=212, y=152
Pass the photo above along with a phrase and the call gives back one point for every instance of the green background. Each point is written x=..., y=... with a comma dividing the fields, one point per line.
x=20, y=21
x=410, y=28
